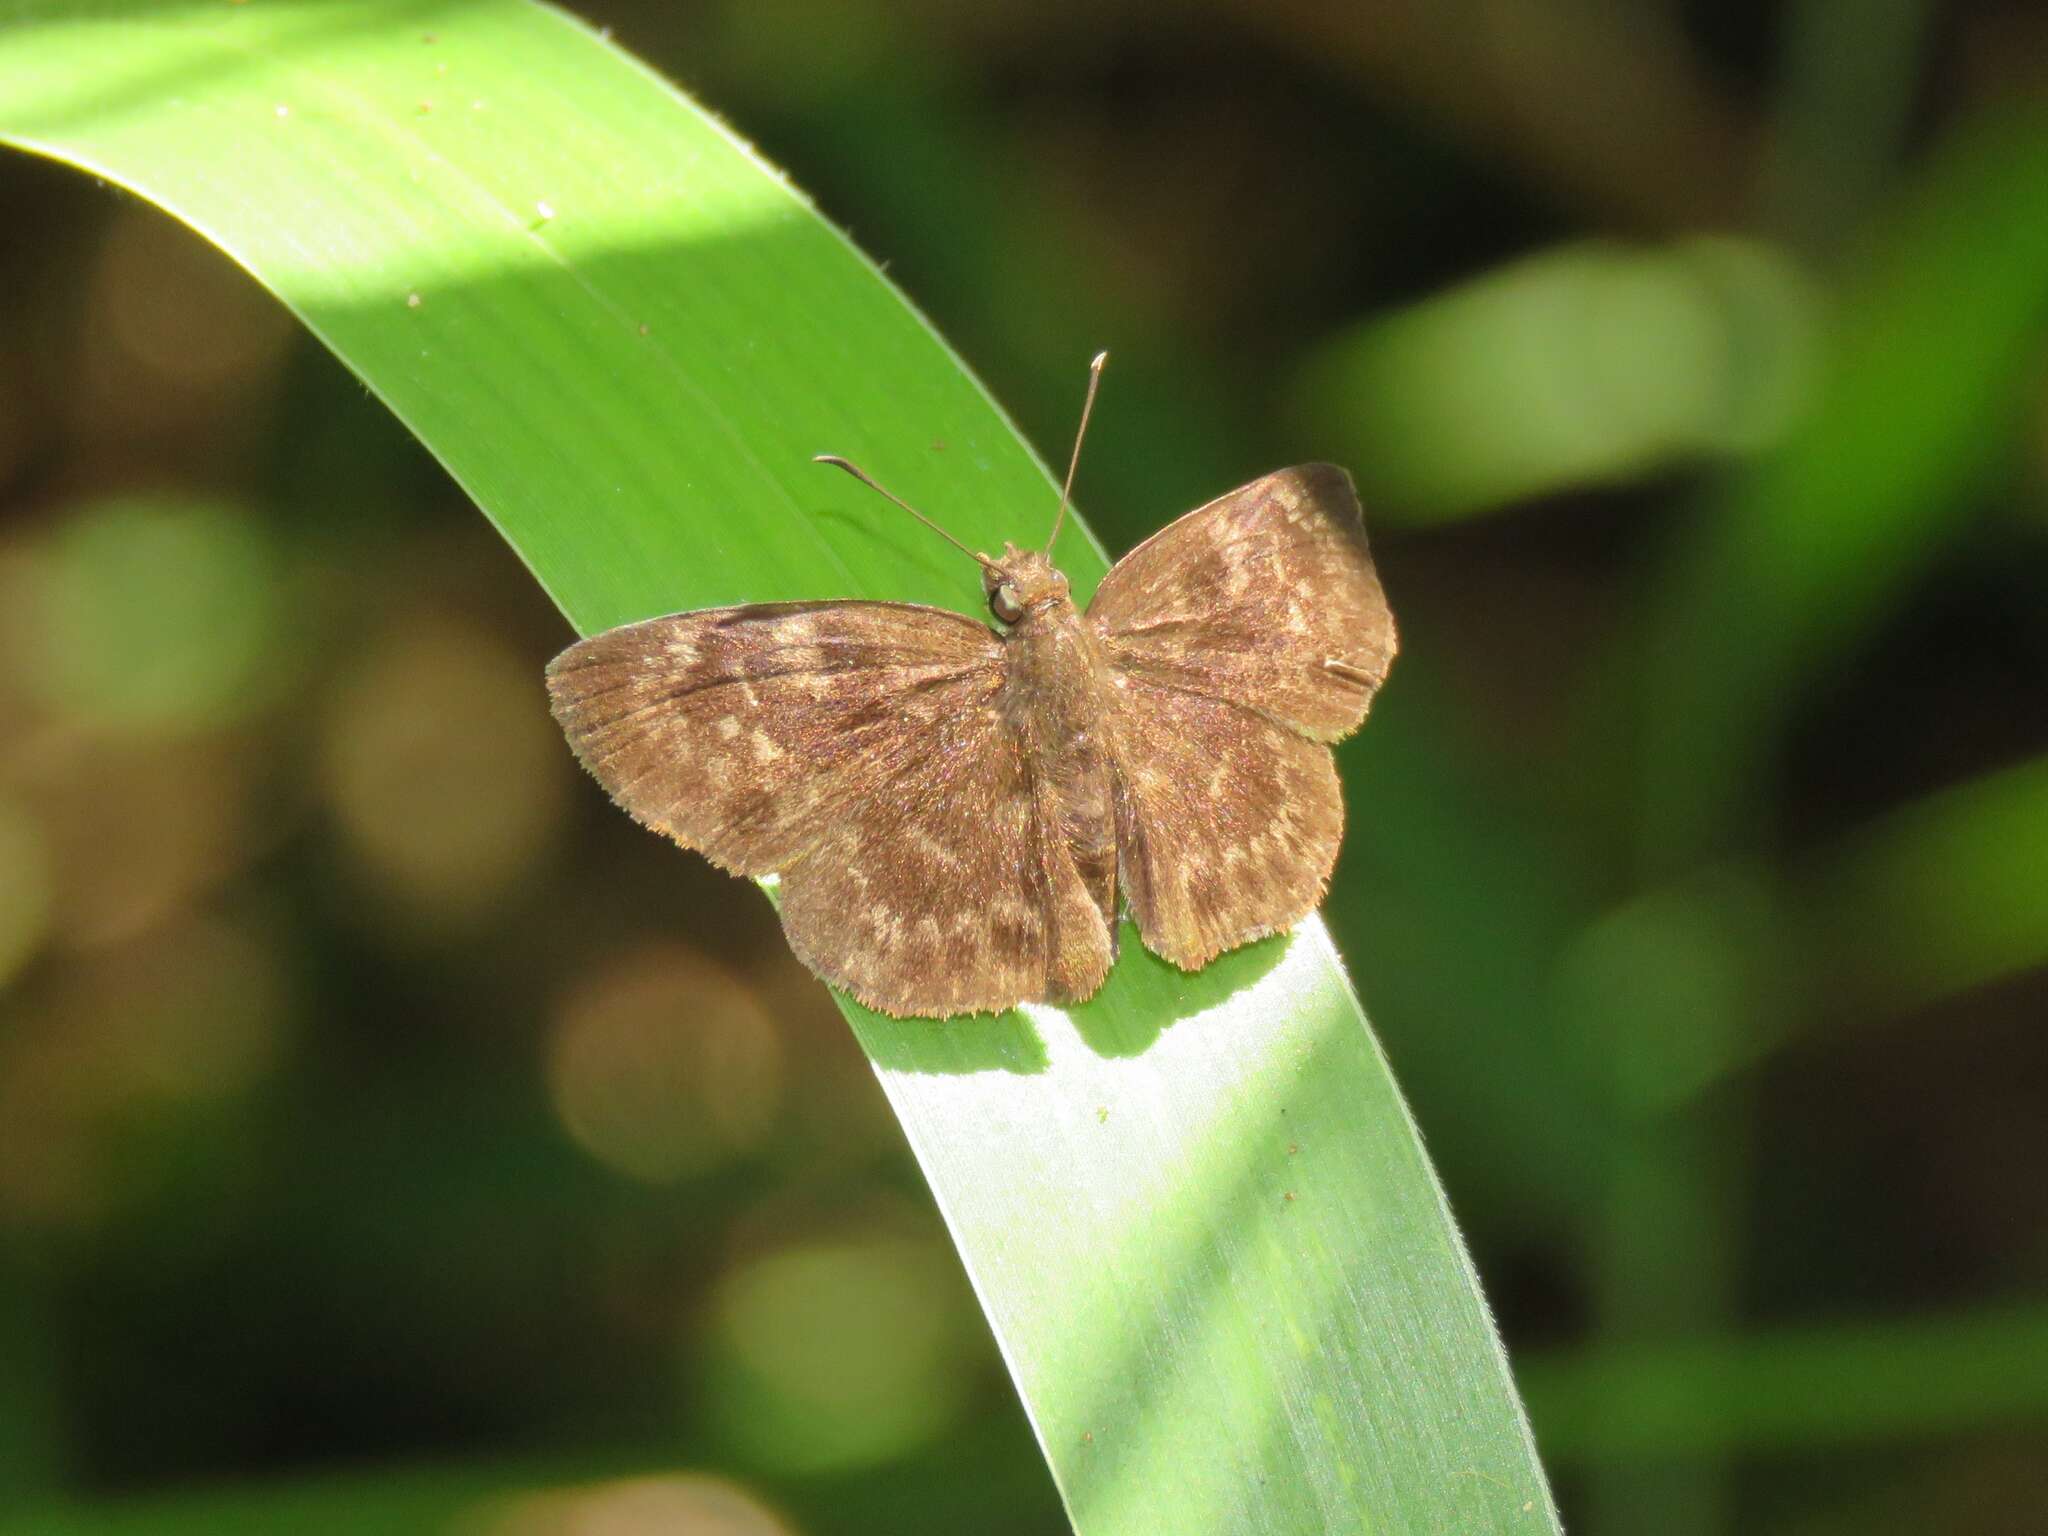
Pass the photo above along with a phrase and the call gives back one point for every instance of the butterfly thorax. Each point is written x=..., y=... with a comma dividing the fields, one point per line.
x=1053, y=699
x=1053, y=690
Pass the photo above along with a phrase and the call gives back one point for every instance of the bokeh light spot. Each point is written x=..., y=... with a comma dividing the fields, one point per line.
x=190, y=1016
x=154, y=614
x=665, y=1064
x=836, y=1355
x=182, y=312
x=637, y=1506
x=139, y=831
x=24, y=888
x=444, y=771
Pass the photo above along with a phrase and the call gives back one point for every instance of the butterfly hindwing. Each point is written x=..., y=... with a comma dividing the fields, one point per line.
x=944, y=885
x=1227, y=824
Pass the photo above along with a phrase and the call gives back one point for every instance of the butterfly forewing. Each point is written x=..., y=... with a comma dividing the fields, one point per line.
x=1266, y=597
x=737, y=731
x=858, y=749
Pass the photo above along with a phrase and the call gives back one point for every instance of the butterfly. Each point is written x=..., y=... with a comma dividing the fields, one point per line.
x=958, y=812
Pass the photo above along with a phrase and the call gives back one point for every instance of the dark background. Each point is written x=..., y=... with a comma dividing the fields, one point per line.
x=353, y=1161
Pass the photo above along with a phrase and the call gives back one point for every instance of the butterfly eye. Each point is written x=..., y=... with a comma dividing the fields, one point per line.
x=1004, y=605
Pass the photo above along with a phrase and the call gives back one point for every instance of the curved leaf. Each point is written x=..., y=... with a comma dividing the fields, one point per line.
x=1196, y=1211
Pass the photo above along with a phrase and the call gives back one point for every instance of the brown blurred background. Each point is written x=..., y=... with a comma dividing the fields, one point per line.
x=386, y=1123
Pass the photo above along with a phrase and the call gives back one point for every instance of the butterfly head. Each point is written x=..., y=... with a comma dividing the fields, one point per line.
x=1021, y=583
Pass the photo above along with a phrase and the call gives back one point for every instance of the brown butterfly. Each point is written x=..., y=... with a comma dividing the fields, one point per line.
x=954, y=810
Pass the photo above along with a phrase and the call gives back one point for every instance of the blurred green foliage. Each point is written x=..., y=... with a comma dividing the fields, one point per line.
x=1699, y=854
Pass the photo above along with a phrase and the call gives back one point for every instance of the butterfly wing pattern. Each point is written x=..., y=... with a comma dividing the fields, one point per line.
x=951, y=809
x=1239, y=641
x=857, y=749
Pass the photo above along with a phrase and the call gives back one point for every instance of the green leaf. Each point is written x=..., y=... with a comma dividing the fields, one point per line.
x=1843, y=1384
x=1590, y=363
x=1196, y=1212
x=1935, y=358
x=1937, y=897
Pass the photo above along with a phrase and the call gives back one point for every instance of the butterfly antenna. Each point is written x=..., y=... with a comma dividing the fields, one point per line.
x=869, y=481
x=1094, y=382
